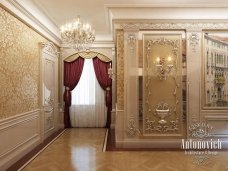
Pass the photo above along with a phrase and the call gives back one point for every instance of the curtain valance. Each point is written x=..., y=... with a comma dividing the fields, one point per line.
x=87, y=55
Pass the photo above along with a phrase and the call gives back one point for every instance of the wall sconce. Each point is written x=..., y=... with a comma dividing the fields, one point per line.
x=163, y=67
x=111, y=73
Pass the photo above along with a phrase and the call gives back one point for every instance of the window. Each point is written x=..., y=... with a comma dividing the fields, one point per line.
x=84, y=92
x=88, y=103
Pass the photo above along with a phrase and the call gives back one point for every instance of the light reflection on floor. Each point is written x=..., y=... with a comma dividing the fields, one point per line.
x=83, y=157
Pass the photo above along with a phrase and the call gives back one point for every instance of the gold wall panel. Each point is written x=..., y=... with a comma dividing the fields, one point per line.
x=157, y=90
x=120, y=69
x=19, y=66
x=140, y=53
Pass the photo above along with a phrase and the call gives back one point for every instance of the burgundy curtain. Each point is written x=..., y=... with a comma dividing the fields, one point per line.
x=72, y=74
x=101, y=71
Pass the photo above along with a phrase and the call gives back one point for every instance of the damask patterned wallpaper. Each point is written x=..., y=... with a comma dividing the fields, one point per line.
x=19, y=66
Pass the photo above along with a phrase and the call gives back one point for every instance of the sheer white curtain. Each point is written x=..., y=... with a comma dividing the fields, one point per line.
x=88, y=103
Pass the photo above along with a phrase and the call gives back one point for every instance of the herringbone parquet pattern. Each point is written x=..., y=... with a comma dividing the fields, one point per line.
x=81, y=150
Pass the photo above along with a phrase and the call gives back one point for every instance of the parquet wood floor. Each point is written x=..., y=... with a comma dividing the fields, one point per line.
x=80, y=149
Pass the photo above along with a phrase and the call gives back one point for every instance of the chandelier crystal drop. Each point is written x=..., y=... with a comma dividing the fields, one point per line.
x=77, y=34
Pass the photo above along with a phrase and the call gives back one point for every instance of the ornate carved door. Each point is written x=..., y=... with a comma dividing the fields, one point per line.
x=49, y=88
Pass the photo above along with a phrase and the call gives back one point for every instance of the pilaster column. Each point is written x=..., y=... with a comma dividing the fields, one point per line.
x=131, y=82
x=193, y=55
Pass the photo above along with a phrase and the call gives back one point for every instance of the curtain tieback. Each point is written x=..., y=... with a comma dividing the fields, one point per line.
x=67, y=96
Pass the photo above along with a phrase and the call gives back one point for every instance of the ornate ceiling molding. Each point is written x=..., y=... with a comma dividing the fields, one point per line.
x=167, y=25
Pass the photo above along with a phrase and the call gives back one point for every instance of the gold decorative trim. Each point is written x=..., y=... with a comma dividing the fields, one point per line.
x=152, y=127
x=120, y=69
x=161, y=111
x=131, y=128
x=87, y=55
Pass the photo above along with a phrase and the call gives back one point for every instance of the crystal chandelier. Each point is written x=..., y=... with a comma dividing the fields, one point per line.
x=77, y=34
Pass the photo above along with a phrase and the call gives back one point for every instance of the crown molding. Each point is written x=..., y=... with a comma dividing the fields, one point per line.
x=168, y=5
x=174, y=25
x=26, y=16
x=96, y=45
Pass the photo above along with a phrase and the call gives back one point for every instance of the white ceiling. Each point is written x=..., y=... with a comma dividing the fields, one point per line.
x=100, y=13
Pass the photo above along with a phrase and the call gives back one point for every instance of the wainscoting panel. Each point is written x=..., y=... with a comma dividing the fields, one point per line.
x=219, y=125
x=18, y=135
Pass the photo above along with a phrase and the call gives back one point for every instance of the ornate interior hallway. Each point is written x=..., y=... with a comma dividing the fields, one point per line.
x=81, y=150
